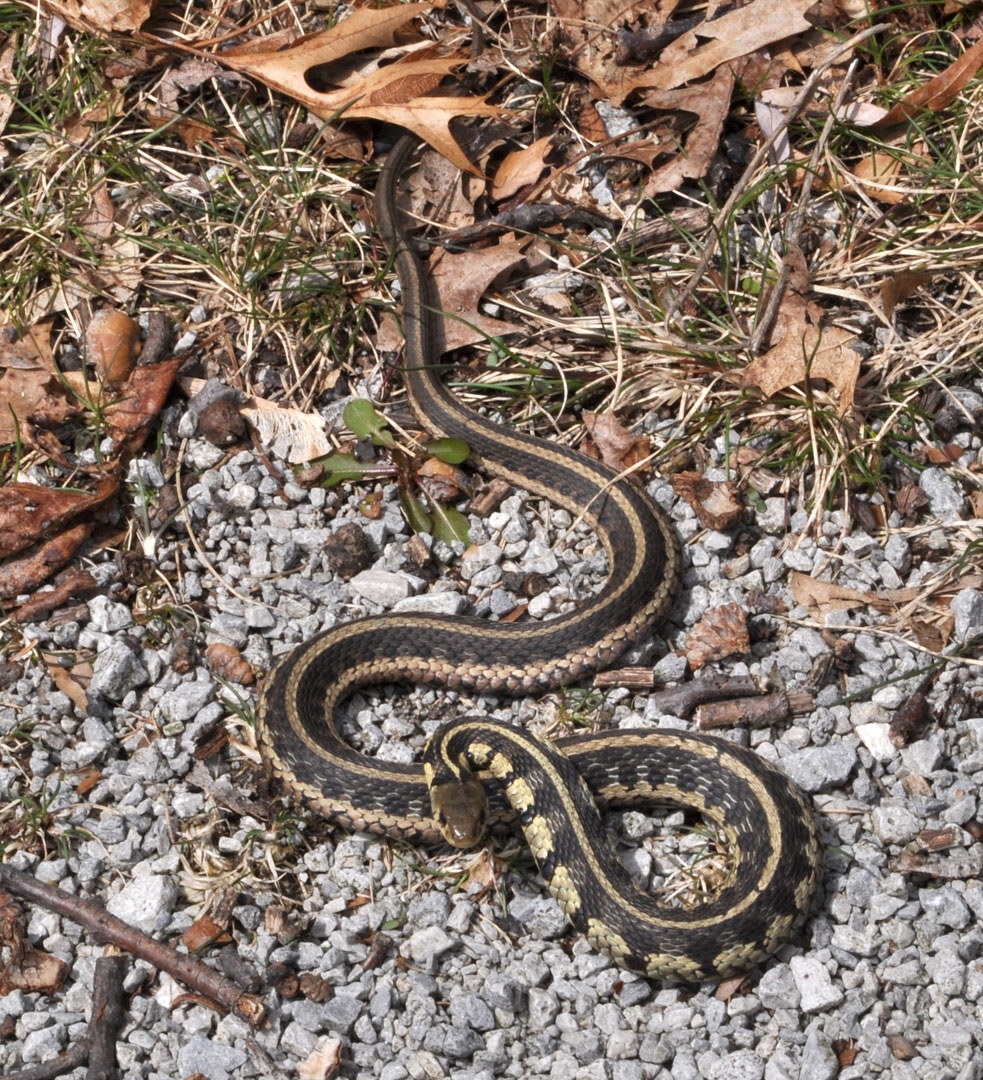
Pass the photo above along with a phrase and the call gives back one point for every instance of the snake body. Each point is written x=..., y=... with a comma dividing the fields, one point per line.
x=554, y=789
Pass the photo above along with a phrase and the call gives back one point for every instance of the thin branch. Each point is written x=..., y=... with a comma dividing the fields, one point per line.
x=107, y=927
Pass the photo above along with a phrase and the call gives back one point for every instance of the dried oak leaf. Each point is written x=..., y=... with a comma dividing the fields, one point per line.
x=896, y=288
x=521, y=168
x=614, y=444
x=366, y=86
x=108, y=16
x=461, y=280
x=71, y=586
x=32, y=512
x=739, y=33
x=24, y=572
x=937, y=92
x=721, y=632
x=74, y=690
x=715, y=502
x=29, y=382
x=27, y=969
x=140, y=399
x=802, y=347
x=710, y=104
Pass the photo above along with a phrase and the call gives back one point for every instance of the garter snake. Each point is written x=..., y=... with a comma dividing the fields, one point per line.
x=762, y=814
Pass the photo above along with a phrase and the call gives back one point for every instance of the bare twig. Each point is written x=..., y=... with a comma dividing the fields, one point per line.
x=681, y=700
x=107, y=927
x=73, y=1058
x=756, y=713
x=107, y=1016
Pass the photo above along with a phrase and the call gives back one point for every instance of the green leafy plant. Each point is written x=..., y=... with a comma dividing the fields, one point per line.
x=368, y=425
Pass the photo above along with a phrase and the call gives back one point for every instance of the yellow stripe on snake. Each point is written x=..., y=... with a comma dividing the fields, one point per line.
x=553, y=789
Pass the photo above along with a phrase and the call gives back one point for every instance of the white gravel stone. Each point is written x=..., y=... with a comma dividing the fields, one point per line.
x=877, y=739
x=434, y=603
x=145, y=903
x=967, y=613
x=816, y=990
x=381, y=587
x=894, y=824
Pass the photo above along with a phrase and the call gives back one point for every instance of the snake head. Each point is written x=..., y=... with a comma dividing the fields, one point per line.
x=461, y=811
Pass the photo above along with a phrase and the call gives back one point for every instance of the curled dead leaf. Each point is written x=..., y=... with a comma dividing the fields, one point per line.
x=614, y=444
x=716, y=503
x=31, y=512
x=442, y=481
x=141, y=398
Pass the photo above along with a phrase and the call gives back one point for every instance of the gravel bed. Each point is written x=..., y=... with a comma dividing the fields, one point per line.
x=429, y=967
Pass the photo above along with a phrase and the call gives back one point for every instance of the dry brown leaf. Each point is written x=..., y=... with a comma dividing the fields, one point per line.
x=396, y=92
x=716, y=503
x=593, y=52
x=944, y=455
x=27, y=968
x=8, y=100
x=109, y=16
x=736, y=34
x=24, y=572
x=292, y=435
x=520, y=168
x=33, y=972
x=937, y=92
x=75, y=585
x=31, y=512
x=68, y=686
x=590, y=125
x=141, y=398
x=721, y=632
x=896, y=288
x=879, y=174
x=808, y=351
x=96, y=220
x=710, y=103
x=825, y=596
x=461, y=280
x=289, y=433
x=803, y=348
x=931, y=637
x=614, y=444
x=27, y=375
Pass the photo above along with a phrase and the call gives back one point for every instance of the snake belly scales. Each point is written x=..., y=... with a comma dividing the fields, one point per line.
x=554, y=790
